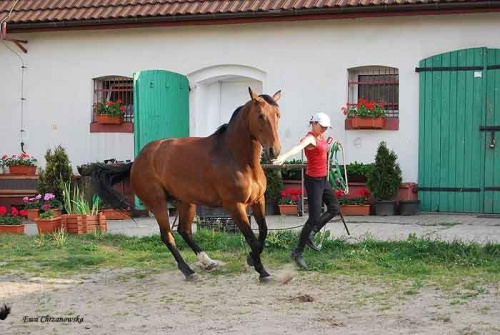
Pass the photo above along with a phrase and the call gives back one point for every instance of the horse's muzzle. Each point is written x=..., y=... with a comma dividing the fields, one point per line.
x=272, y=153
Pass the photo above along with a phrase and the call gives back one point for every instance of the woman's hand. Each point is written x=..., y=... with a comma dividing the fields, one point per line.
x=278, y=161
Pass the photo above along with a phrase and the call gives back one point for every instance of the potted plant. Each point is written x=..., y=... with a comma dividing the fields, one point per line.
x=11, y=223
x=57, y=170
x=410, y=207
x=22, y=164
x=52, y=204
x=109, y=112
x=274, y=185
x=32, y=206
x=356, y=204
x=357, y=172
x=365, y=114
x=288, y=201
x=48, y=222
x=384, y=180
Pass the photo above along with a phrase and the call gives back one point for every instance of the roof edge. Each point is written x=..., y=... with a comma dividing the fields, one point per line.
x=269, y=16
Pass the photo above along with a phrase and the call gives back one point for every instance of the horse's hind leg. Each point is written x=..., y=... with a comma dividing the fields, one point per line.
x=258, y=211
x=186, y=216
x=155, y=200
x=239, y=216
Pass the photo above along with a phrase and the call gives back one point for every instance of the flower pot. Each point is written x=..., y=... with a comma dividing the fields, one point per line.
x=113, y=214
x=271, y=208
x=384, y=208
x=288, y=209
x=33, y=214
x=91, y=224
x=47, y=226
x=108, y=119
x=351, y=210
x=12, y=229
x=368, y=123
x=410, y=207
x=73, y=223
x=57, y=212
x=24, y=170
x=103, y=223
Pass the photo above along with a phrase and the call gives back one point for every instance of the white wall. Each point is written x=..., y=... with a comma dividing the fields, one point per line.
x=308, y=61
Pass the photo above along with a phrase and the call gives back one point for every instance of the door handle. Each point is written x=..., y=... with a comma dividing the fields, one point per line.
x=492, y=142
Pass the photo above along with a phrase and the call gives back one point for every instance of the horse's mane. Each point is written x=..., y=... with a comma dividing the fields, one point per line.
x=224, y=127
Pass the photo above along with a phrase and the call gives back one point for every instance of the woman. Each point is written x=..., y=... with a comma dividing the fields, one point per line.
x=317, y=186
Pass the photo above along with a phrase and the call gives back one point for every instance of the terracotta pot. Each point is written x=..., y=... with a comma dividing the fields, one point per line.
x=57, y=212
x=33, y=214
x=368, y=123
x=12, y=229
x=108, y=119
x=23, y=170
x=47, y=226
x=74, y=223
x=288, y=209
x=350, y=210
x=103, y=223
x=91, y=224
x=113, y=214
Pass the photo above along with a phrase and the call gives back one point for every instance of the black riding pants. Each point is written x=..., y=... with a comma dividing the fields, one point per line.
x=319, y=191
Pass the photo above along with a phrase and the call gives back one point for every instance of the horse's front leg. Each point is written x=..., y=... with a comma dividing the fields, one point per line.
x=239, y=215
x=259, y=213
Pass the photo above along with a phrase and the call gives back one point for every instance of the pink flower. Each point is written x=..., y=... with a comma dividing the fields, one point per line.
x=48, y=196
x=38, y=197
x=26, y=199
x=23, y=212
x=46, y=207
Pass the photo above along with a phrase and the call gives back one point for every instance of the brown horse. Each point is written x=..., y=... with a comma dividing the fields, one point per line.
x=219, y=170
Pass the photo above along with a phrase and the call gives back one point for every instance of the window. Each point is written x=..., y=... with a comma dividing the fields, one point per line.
x=378, y=83
x=114, y=88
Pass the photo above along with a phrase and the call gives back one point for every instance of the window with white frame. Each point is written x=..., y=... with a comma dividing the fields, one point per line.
x=115, y=88
x=375, y=83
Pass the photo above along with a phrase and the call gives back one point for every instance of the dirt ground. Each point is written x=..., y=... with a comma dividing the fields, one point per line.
x=125, y=301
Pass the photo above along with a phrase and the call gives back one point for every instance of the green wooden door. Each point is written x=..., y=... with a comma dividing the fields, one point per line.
x=454, y=165
x=491, y=131
x=161, y=108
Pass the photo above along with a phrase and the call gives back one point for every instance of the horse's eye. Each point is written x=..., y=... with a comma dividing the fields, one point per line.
x=261, y=116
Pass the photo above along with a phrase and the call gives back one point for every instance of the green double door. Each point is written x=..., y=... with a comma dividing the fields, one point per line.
x=459, y=131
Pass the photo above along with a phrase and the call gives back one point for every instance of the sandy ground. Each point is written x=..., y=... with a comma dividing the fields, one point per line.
x=123, y=301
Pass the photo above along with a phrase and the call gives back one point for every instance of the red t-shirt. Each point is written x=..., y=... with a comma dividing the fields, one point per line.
x=316, y=158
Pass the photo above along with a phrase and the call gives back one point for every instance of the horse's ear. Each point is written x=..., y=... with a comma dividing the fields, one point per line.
x=253, y=95
x=277, y=96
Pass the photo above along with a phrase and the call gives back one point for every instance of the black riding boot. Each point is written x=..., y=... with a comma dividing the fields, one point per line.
x=324, y=219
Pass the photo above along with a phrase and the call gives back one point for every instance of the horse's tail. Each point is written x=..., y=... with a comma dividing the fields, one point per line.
x=104, y=177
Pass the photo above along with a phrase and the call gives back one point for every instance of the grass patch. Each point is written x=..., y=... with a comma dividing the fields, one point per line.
x=444, y=224
x=418, y=260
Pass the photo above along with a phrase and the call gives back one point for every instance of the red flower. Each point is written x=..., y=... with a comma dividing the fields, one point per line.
x=123, y=108
x=23, y=212
x=370, y=105
x=283, y=194
x=14, y=211
x=109, y=103
x=119, y=101
x=3, y=210
x=339, y=193
x=46, y=207
x=4, y=157
x=294, y=198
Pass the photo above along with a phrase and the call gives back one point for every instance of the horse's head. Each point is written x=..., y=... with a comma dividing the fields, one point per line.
x=263, y=118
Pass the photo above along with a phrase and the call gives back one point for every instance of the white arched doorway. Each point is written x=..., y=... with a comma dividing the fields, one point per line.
x=216, y=92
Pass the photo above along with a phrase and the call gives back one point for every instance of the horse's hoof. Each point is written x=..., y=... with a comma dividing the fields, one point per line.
x=192, y=277
x=249, y=260
x=211, y=266
x=265, y=280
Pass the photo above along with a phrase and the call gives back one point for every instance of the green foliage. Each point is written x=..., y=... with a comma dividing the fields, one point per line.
x=111, y=108
x=292, y=174
x=274, y=182
x=365, y=109
x=11, y=220
x=358, y=169
x=57, y=169
x=385, y=178
x=47, y=214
